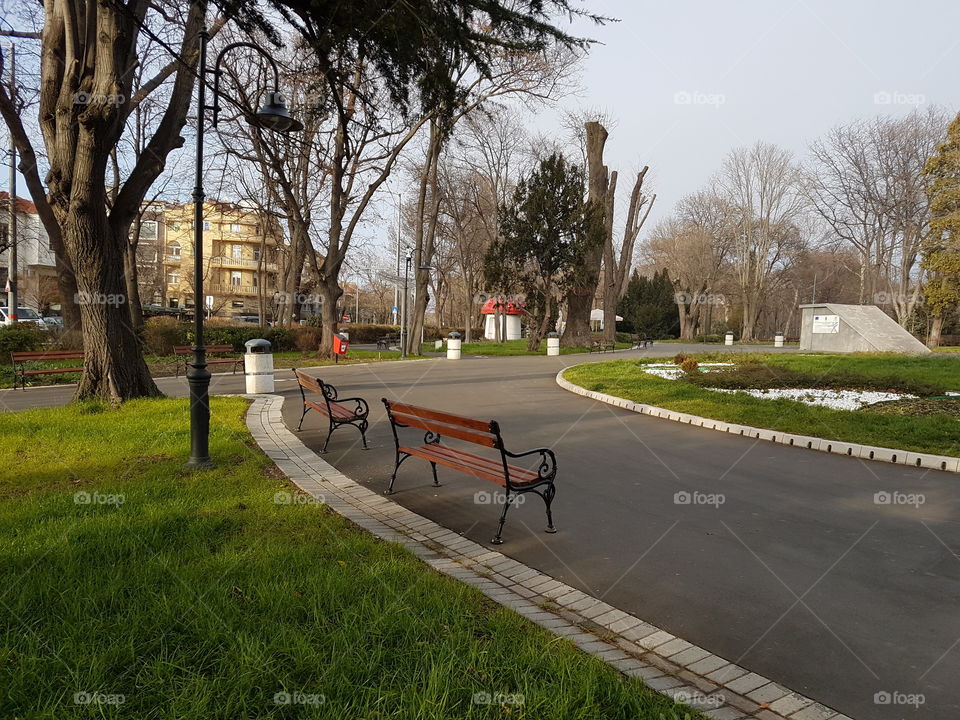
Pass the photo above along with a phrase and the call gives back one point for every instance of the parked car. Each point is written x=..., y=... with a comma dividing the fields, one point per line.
x=24, y=315
x=53, y=322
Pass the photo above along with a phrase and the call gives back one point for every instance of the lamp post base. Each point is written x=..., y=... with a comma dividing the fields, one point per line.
x=199, y=379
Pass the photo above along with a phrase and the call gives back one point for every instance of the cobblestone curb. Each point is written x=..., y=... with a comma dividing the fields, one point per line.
x=836, y=447
x=667, y=664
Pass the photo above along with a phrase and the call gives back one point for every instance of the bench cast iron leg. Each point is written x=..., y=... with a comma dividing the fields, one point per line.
x=399, y=462
x=305, y=409
x=436, y=483
x=498, y=540
x=329, y=433
x=548, y=500
x=363, y=432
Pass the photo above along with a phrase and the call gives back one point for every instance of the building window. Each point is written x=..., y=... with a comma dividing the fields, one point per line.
x=174, y=249
x=237, y=251
x=174, y=302
x=235, y=228
x=256, y=253
x=173, y=279
x=256, y=280
x=237, y=304
x=235, y=278
x=206, y=224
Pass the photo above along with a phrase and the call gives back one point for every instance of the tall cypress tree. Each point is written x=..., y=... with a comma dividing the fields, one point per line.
x=941, y=248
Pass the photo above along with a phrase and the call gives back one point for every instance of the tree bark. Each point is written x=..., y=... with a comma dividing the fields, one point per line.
x=583, y=289
x=936, y=329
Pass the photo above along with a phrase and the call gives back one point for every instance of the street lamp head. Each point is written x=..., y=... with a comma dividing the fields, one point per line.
x=275, y=116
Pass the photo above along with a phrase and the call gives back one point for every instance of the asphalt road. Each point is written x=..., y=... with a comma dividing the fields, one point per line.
x=797, y=574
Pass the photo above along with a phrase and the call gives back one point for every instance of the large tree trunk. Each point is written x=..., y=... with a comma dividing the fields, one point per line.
x=584, y=286
x=936, y=329
x=114, y=368
x=131, y=278
x=330, y=294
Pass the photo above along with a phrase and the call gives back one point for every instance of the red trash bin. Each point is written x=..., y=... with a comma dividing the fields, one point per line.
x=340, y=344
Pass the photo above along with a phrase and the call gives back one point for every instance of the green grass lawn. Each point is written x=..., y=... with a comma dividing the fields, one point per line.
x=938, y=431
x=197, y=595
x=519, y=347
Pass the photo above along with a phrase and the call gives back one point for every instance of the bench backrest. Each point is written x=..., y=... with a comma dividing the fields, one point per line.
x=315, y=385
x=478, y=432
x=188, y=349
x=47, y=355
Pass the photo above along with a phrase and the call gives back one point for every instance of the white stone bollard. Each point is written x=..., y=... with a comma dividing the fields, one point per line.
x=553, y=344
x=258, y=367
x=729, y=339
x=778, y=340
x=453, y=346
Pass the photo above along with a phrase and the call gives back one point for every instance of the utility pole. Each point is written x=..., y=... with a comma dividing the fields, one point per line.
x=396, y=285
x=13, y=302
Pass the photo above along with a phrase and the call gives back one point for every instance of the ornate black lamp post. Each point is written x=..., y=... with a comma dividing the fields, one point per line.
x=272, y=116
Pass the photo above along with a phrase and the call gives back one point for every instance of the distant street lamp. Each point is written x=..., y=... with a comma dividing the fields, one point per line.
x=272, y=116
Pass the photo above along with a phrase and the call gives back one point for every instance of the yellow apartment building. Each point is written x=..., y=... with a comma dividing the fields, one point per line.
x=240, y=256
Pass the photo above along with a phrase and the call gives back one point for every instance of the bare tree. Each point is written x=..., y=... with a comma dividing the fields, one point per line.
x=763, y=187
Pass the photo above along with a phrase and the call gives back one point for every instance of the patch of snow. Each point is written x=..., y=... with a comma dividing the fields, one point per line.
x=671, y=371
x=836, y=399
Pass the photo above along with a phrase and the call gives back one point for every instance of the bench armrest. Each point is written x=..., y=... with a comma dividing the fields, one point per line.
x=362, y=408
x=547, y=470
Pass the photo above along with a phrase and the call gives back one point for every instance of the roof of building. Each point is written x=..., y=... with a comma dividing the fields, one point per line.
x=23, y=205
x=491, y=306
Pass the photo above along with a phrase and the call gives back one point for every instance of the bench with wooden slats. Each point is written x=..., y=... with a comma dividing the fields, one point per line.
x=323, y=398
x=218, y=351
x=438, y=425
x=20, y=360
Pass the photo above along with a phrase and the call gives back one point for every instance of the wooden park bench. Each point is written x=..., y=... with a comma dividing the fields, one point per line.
x=641, y=342
x=322, y=397
x=385, y=342
x=220, y=353
x=601, y=346
x=485, y=433
x=20, y=360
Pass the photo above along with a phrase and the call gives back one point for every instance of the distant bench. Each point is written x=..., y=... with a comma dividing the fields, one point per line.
x=219, y=351
x=485, y=433
x=601, y=346
x=20, y=360
x=385, y=342
x=641, y=342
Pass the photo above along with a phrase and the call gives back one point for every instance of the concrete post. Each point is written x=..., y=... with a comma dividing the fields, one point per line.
x=778, y=340
x=258, y=367
x=729, y=338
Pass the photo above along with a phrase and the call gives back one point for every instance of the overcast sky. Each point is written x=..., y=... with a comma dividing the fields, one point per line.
x=688, y=81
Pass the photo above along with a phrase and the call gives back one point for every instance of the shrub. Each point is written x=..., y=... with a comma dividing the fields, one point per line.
x=160, y=334
x=307, y=338
x=19, y=338
x=68, y=340
x=690, y=366
x=710, y=338
x=679, y=358
x=368, y=333
x=281, y=339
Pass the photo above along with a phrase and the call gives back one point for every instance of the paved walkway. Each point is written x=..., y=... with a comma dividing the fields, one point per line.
x=798, y=575
x=666, y=664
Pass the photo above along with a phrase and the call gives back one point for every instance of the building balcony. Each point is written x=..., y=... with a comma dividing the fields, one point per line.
x=248, y=263
x=228, y=290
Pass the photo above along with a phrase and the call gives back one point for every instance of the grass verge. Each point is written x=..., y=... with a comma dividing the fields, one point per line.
x=131, y=587
x=519, y=347
x=936, y=431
